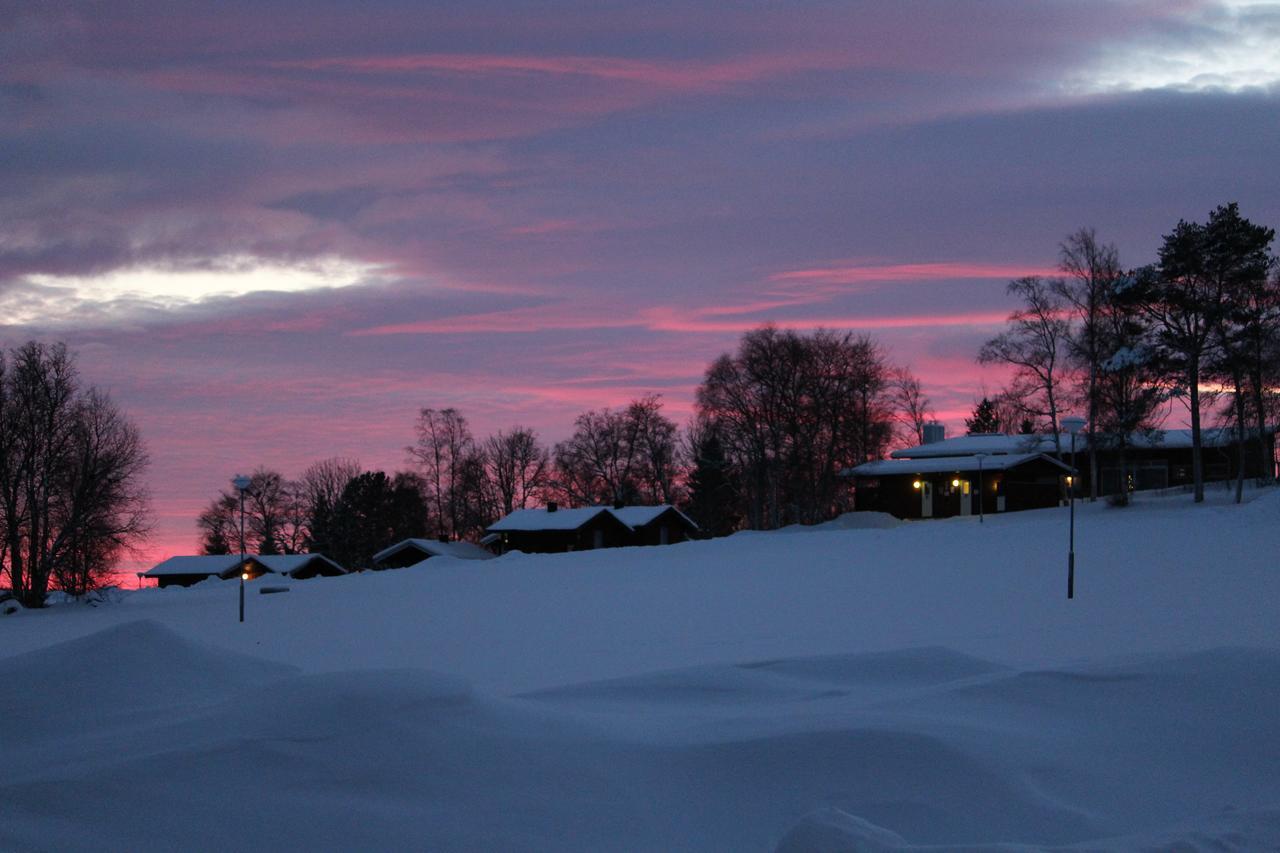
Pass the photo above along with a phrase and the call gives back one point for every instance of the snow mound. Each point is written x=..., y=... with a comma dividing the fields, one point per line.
x=830, y=830
x=714, y=685
x=745, y=685
x=920, y=666
x=118, y=673
x=848, y=521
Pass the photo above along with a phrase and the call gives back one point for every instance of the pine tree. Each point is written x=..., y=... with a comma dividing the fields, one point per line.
x=713, y=496
x=985, y=418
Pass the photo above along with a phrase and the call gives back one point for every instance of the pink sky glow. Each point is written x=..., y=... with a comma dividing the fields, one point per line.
x=276, y=230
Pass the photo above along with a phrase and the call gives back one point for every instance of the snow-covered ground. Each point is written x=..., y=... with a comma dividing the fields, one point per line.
x=863, y=686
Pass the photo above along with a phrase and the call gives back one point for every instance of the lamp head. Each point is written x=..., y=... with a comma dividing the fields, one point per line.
x=1073, y=424
x=241, y=482
x=916, y=484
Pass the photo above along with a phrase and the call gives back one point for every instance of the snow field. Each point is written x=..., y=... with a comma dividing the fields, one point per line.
x=859, y=687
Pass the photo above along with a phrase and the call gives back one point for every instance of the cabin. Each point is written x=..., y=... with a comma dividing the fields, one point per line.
x=552, y=530
x=941, y=477
x=958, y=485
x=555, y=530
x=411, y=552
x=188, y=570
x=656, y=525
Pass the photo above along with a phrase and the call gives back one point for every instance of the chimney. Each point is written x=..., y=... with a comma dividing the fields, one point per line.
x=934, y=432
x=444, y=538
x=552, y=506
x=619, y=504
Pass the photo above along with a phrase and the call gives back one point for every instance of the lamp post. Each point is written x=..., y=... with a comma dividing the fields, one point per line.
x=241, y=483
x=1072, y=425
x=982, y=494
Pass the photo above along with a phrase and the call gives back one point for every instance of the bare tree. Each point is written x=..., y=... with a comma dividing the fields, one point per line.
x=71, y=466
x=911, y=408
x=1033, y=345
x=442, y=450
x=318, y=491
x=655, y=438
x=791, y=412
x=519, y=467
x=274, y=518
x=1092, y=269
x=619, y=456
x=219, y=525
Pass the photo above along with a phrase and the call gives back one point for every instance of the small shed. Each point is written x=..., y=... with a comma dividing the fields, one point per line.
x=656, y=525
x=553, y=530
x=411, y=552
x=188, y=570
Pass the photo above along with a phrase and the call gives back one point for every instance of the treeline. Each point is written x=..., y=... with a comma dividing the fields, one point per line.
x=775, y=423
x=1199, y=327
x=72, y=498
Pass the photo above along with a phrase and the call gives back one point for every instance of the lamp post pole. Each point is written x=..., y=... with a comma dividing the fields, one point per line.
x=1073, y=425
x=241, y=482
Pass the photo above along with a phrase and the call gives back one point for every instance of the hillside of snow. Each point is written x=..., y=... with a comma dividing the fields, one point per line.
x=859, y=686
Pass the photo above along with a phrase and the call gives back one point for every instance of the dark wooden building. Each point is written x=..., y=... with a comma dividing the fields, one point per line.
x=410, y=552
x=950, y=486
x=185, y=571
x=940, y=478
x=656, y=525
x=552, y=530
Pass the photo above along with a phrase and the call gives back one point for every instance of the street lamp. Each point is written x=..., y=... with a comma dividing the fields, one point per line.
x=241, y=483
x=982, y=495
x=1072, y=425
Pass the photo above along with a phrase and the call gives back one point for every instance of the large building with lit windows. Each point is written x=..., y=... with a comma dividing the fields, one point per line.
x=948, y=477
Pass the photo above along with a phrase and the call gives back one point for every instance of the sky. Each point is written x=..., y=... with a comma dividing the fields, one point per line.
x=275, y=230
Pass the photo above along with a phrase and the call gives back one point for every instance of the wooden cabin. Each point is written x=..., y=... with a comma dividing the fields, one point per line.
x=551, y=530
x=411, y=552
x=188, y=570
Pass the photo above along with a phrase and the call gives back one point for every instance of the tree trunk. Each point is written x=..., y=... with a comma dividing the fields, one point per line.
x=1197, y=463
x=1240, y=433
x=1266, y=462
x=1092, y=434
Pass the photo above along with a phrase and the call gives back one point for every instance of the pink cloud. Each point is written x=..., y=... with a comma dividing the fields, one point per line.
x=862, y=273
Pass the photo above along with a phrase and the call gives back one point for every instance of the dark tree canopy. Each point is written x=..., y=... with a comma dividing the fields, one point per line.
x=374, y=512
x=713, y=490
x=792, y=411
x=71, y=467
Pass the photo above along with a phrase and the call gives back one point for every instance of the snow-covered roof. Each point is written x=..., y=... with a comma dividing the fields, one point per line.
x=944, y=464
x=542, y=519
x=639, y=516
x=287, y=564
x=436, y=548
x=226, y=564
x=989, y=443
x=201, y=565
x=999, y=443
x=529, y=520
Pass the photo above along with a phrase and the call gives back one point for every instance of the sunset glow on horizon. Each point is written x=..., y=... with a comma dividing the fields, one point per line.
x=274, y=231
